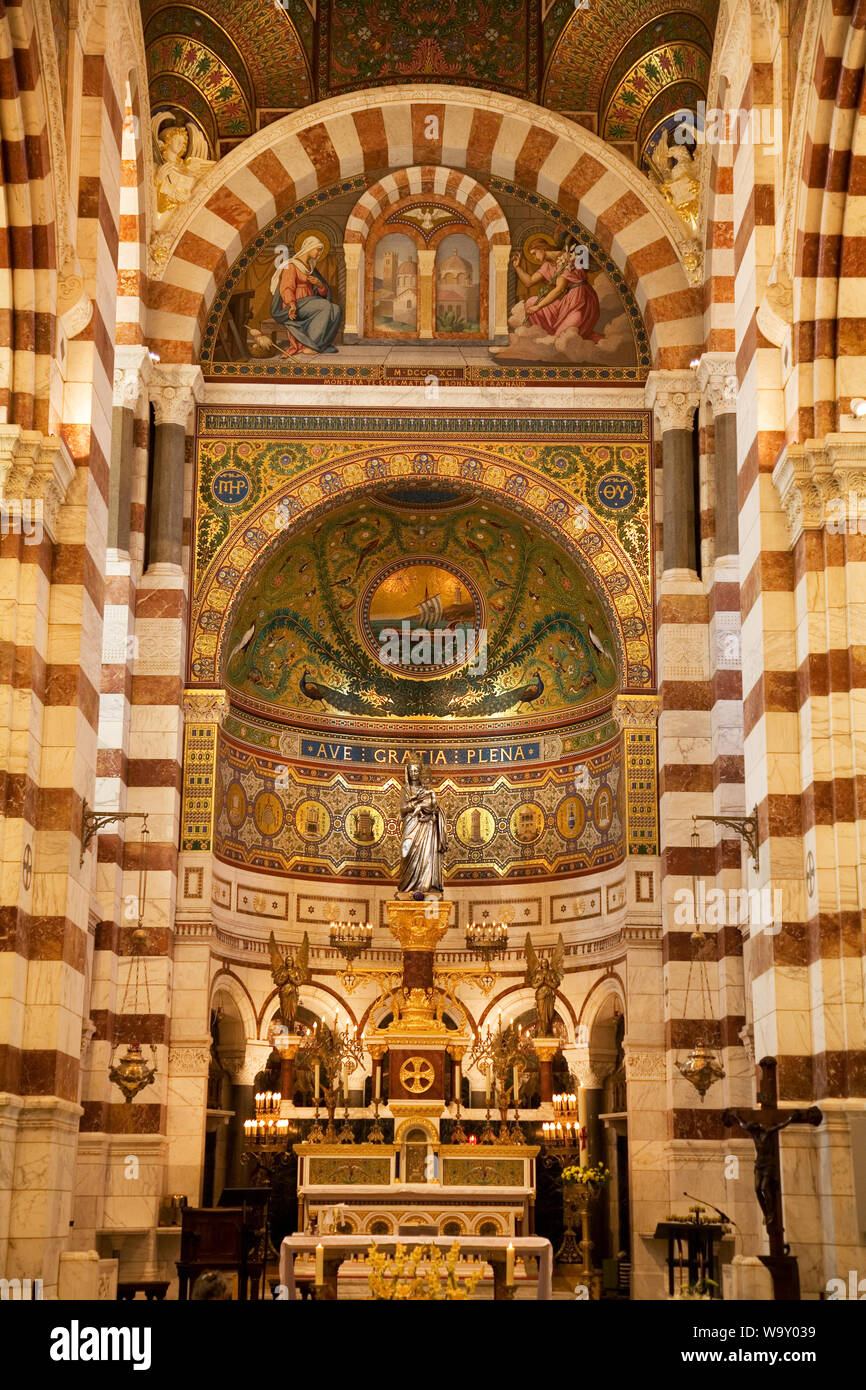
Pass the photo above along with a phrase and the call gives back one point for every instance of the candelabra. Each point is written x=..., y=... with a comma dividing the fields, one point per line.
x=331, y=1054
x=564, y=1146
x=350, y=939
x=502, y=1057
x=265, y=1136
x=488, y=940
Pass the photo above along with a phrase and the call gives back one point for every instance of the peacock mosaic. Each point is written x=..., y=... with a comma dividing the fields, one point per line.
x=543, y=544
x=379, y=587
x=368, y=611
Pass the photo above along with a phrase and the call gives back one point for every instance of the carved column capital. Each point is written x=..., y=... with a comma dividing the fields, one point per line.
x=584, y=1069
x=133, y=367
x=636, y=711
x=205, y=706
x=717, y=379
x=35, y=473
x=173, y=391
x=674, y=397
x=823, y=483
x=245, y=1067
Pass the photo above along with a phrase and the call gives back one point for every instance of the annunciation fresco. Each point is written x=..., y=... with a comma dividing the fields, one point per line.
x=564, y=311
x=351, y=615
x=425, y=291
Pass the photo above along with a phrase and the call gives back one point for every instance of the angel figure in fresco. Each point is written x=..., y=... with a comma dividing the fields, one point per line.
x=302, y=301
x=181, y=156
x=545, y=977
x=289, y=973
x=568, y=299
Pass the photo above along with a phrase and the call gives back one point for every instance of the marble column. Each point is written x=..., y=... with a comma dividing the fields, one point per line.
x=173, y=391
x=546, y=1049
x=243, y=1072
x=426, y=305
x=377, y=1052
x=717, y=378
x=353, y=317
x=132, y=370
x=674, y=399
x=456, y=1053
x=500, y=256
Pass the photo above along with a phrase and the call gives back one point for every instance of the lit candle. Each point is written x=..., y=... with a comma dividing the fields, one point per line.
x=509, y=1265
x=320, y=1263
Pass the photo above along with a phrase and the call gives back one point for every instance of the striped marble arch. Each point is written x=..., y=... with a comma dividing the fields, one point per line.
x=431, y=126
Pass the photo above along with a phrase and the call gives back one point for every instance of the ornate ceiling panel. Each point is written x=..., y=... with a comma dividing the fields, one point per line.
x=489, y=43
x=238, y=44
x=195, y=65
x=595, y=45
x=662, y=68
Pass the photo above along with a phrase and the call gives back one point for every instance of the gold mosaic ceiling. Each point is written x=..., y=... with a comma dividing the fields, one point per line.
x=619, y=67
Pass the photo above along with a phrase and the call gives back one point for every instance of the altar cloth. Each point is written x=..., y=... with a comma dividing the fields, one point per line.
x=533, y=1247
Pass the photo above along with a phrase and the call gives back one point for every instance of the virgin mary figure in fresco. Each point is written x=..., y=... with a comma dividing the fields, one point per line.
x=568, y=301
x=302, y=302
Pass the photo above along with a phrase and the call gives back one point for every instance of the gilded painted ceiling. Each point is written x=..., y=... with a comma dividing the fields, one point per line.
x=421, y=608
x=617, y=67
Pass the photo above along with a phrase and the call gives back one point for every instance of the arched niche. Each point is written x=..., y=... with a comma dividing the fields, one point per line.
x=402, y=240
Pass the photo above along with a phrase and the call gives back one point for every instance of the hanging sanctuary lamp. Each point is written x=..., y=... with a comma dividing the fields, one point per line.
x=702, y=1067
x=131, y=1072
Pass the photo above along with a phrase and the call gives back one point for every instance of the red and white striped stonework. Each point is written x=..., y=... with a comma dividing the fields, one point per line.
x=829, y=322
x=447, y=183
x=475, y=132
x=758, y=316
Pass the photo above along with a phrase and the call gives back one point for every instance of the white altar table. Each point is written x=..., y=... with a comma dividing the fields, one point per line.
x=485, y=1247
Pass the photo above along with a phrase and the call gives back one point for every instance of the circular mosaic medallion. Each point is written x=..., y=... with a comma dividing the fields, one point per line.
x=421, y=617
x=268, y=814
x=615, y=491
x=475, y=826
x=230, y=486
x=527, y=822
x=236, y=804
x=602, y=808
x=570, y=817
x=312, y=820
x=364, y=825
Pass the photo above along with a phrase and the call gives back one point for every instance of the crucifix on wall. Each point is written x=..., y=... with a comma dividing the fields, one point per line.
x=763, y=1126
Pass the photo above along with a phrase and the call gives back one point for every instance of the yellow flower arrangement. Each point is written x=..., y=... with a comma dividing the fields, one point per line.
x=593, y=1177
x=403, y=1279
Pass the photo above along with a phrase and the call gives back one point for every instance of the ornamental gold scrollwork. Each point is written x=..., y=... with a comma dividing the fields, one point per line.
x=417, y=1075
